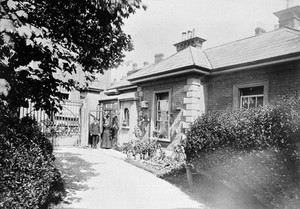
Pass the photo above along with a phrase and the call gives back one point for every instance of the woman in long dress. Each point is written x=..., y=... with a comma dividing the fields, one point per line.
x=106, y=136
x=114, y=130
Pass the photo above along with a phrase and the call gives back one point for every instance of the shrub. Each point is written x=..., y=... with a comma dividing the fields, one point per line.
x=250, y=149
x=28, y=178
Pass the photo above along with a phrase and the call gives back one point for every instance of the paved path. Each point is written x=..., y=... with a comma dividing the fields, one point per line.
x=101, y=179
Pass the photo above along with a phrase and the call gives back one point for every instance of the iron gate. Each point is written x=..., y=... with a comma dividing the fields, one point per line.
x=63, y=128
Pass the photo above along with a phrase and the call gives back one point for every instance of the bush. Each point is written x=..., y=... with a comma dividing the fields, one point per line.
x=253, y=150
x=28, y=178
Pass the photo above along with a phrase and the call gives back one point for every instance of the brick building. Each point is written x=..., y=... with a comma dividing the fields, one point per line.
x=246, y=73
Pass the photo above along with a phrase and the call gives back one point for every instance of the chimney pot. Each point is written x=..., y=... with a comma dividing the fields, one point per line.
x=292, y=3
x=189, y=34
x=183, y=36
x=146, y=63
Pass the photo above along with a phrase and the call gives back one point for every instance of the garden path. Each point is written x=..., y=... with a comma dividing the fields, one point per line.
x=97, y=178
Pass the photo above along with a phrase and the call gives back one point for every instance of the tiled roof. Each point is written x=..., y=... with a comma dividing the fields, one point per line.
x=188, y=57
x=274, y=44
x=122, y=83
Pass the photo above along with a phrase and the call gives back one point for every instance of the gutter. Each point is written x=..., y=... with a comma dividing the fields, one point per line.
x=255, y=65
x=193, y=70
x=196, y=69
x=127, y=87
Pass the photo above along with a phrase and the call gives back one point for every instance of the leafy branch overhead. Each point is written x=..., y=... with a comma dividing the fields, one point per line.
x=42, y=41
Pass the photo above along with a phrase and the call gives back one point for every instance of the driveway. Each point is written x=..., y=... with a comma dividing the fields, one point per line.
x=101, y=179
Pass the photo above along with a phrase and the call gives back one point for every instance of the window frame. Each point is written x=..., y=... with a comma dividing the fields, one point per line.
x=126, y=117
x=154, y=113
x=237, y=92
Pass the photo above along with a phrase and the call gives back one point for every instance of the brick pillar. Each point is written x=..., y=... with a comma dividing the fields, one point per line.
x=194, y=101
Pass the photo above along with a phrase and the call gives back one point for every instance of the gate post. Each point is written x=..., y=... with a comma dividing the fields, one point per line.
x=189, y=175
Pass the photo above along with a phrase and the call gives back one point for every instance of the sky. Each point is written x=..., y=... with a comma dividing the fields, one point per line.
x=217, y=21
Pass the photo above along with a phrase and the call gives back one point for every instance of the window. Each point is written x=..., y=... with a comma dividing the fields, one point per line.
x=63, y=96
x=162, y=116
x=126, y=117
x=250, y=95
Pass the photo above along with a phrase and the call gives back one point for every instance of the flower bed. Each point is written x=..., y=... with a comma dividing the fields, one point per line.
x=149, y=155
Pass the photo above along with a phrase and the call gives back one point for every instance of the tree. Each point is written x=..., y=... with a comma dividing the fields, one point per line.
x=42, y=38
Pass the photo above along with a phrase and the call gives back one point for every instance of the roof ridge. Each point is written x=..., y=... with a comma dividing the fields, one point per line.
x=201, y=50
x=193, y=60
x=211, y=66
x=246, y=38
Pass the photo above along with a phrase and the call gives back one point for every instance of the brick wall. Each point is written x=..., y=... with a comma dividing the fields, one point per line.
x=283, y=80
x=175, y=84
x=176, y=87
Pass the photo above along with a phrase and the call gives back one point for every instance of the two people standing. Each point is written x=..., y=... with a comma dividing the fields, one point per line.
x=108, y=131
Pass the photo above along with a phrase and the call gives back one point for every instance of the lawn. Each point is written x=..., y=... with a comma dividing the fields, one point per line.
x=215, y=195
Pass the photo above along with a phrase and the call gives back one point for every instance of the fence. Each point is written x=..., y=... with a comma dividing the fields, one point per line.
x=64, y=125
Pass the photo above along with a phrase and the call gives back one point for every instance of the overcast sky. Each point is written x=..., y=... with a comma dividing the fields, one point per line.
x=218, y=21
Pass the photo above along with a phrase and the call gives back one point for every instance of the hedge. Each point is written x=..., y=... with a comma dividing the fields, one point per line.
x=28, y=178
x=251, y=150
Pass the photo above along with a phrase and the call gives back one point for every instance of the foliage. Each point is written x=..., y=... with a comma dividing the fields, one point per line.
x=143, y=122
x=28, y=178
x=44, y=42
x=142, y=147
x=161, y=134
x=252, y=150
x=179, y=152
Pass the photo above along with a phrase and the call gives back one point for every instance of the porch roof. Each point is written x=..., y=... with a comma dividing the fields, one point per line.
x=104, y=97
x=124, y=83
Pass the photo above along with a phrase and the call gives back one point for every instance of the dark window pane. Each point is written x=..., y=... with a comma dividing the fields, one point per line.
x=252, y=91
x=252, y=102
x=245, y=102
x=260, y=101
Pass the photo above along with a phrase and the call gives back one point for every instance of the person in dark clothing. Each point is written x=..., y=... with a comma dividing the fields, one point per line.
x=106, y=136
x=114, y=130
x=95, y=132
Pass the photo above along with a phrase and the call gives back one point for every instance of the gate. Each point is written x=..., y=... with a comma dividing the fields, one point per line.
x=63, y=128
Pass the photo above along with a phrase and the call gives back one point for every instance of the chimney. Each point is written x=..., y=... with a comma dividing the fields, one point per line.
x=259, y=29
x=190, y=40
x=290, y=17
x=146, y=63
x=134, y=66
x=134, y=69
x=158, y=57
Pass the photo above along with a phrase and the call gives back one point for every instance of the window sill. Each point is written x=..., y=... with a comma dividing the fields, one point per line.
x=125, y=127
x=160, y=139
